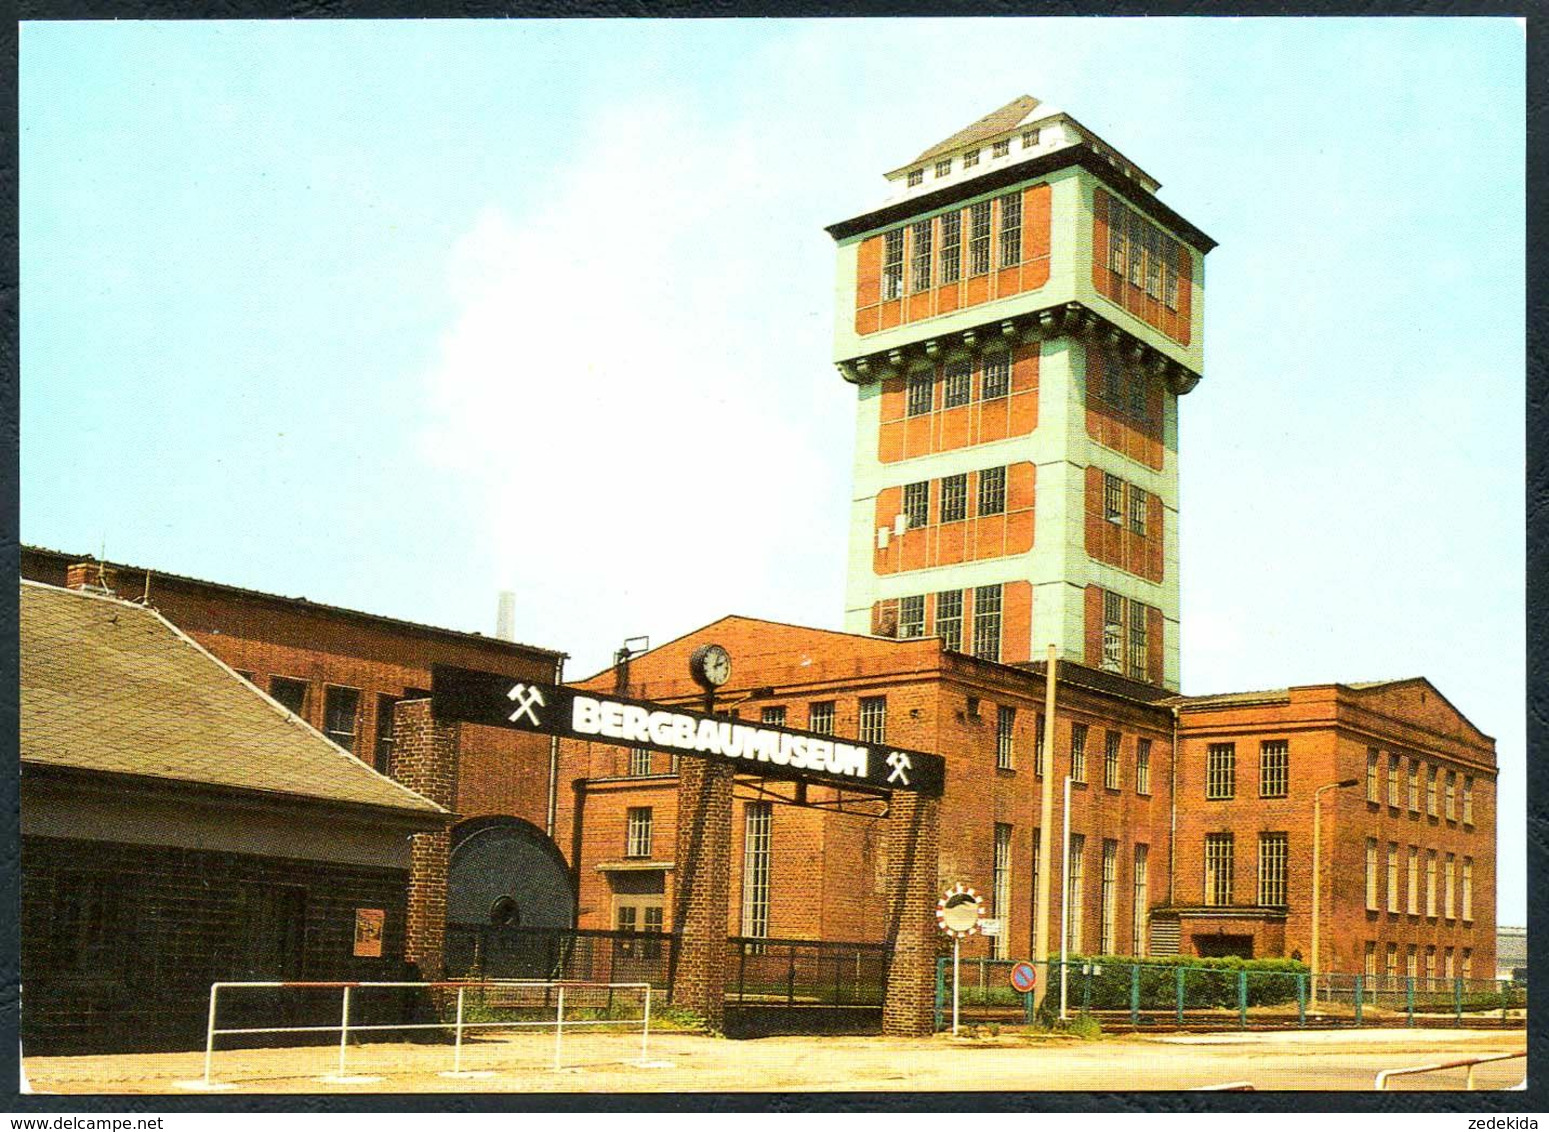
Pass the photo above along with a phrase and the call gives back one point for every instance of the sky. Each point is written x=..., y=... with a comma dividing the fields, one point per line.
x=396, y=315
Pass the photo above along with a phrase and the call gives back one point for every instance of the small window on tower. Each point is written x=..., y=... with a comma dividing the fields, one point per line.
x=1113, y=498
x=954, y=498
x=997, y=375
x=911, y=619
x=949, y=619
x=917, y=504
x=944, y=168
x=1001, y=148
x=916, y=177
x=992, y=491
x=1029, y=138
x=970, y=159
x=957, y=384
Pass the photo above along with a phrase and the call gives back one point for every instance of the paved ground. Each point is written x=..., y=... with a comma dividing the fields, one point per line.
x=596, y=1062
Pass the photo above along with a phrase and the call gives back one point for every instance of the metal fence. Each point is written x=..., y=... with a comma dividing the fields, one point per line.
x=484, y=951
x=1119, y=992
x=792, y=972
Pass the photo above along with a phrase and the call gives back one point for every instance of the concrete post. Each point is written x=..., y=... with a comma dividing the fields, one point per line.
x=425, y=760
x=913, y=837
x=701, y=896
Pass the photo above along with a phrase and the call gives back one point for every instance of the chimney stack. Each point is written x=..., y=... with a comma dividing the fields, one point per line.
x=91, y=576
x=505, y=617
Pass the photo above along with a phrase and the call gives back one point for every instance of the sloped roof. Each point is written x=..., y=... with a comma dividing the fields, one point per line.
x=995, y=122
x=113, y=687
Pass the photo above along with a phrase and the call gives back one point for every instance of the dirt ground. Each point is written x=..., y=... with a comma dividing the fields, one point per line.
x=600, y=1062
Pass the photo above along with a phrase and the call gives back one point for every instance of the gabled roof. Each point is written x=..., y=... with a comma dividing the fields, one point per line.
x=115, y=688
x=993, y=123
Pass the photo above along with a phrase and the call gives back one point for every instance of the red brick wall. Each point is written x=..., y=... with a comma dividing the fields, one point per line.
x=975, y=537
x=1116, y=543
x=1176, y=324
x=1016, y=620
x=1112, y=425
x=902, y=437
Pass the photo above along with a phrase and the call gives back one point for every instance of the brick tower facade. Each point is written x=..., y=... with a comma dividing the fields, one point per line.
x=1020, y=320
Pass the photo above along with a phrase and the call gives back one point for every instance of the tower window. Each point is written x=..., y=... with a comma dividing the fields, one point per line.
x=916, y=177
x=1113, y=632
x=997, y=375
x=1113, y=498
x=944, y=168
x=921, y=389
x=1010, y=228
x=921, y=257
x=1138, y=501
x=954, y=498
x=1001, y=148
x=1030, y=139
x=949, y=619
x=992, y=491
x=951, y=265
x=1138, y=645
x=1153, y=262
x=917, y=504
x=893, y=264
x=987, y=622
x=979, y=238
x=970, y=159
x=911, y=616
x=957, y=384
x=1137, y=239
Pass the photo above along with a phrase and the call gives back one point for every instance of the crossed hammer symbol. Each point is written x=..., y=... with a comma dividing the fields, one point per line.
x=900, y=764
x=526, y=697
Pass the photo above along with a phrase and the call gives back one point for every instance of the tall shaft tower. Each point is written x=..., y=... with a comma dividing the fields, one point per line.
x=1020, y=319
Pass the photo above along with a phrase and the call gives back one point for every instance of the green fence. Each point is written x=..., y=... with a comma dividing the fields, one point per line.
x=1225, y=993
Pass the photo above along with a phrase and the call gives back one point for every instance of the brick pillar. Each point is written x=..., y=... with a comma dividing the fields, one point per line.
x=701, y=901
x=913, y=836
x=425, y=760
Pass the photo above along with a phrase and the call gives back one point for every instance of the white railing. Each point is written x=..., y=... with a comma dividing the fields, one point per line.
x=1381, y=1082
x=345, y=1027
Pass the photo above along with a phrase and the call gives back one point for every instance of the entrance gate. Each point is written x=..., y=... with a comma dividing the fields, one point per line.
x=713, y=750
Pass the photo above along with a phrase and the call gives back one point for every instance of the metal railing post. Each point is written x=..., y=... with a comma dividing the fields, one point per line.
x=1360, y=998
x=1301, y=1000
x=1180, y=973
x=1134, y=995
x=559, y=1025
x=209, y=1034
x=344, y=1030
x=1242, y=1000
x=457, y=1050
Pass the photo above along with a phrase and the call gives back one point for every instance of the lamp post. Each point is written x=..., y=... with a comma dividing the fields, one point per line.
x=1317, y=875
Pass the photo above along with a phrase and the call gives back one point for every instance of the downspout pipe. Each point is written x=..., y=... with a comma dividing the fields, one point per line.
x=1172, y=823
x=553, y=809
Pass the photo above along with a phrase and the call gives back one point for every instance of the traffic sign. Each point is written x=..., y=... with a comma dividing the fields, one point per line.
x=1024, y=976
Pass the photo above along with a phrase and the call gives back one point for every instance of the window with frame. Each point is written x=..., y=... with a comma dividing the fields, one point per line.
x=1218, y=869
x=1449, y=879
x=1371, y=874
x=950, y=263
x=1108, y=898
x=1391, y=967
x=1001, y=148
x=1430, y=966
x=970, y=159
x=944, y=168
x=1430, y=884
x=1414, y=785
x=1468, y=799
x=290, y=694
x=1449, y=967
x=979, y=238
x=820, y=717
x=1450, y=797
x=382, y=753
x=873, y=719
x=1393, y=893
x=911, y=616
x=949, y=619
x=997, y=375
x=957, y=383
x=341, y=706
x=1074, y=884
x=637, y=831
x=922, y=387
x=1412, y=903
x=1430, y=790
x=1030, y=139
x=992, y=491
x=893, y=264
x=916, y=504
x=1371, y=959
x=1113, y=632
x=1274, y=768
x=1393, y=799
x=1000, y=888
x=916, y=177
x=1221, y=771
x=757, y=839
x=774, y=715
x=1468, y=963
x=639, y=762
x=1078, y=752
x=1142, y=899
x=1005, y=737
x=1113, y=499
x=1142, y=766
x=1412, y=961
x=987, y=610
x=920, y=256
x=1038, y=746
x=1372, y=793
x=1137, y=248
x=1139, y=501
x=1111, y=742
x=1139, y=389
x=1468, y=889
x=1139, y=646
x=1010, y=228
x=1272, y=863
x=954, y=498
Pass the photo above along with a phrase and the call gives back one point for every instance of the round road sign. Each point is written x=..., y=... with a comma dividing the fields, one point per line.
x=1024, y=976
x=958, y=912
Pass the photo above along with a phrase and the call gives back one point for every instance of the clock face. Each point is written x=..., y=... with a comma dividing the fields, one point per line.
x=711, y=665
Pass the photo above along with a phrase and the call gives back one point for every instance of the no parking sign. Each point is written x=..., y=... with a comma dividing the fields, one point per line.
x=1024, y=977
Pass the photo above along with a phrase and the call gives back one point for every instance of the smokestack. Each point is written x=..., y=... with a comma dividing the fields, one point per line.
x=505, y=617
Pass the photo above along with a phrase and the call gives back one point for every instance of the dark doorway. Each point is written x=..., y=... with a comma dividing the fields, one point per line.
x=1223, y=946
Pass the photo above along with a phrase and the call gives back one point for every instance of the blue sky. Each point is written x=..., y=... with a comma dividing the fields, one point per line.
x=396, y=315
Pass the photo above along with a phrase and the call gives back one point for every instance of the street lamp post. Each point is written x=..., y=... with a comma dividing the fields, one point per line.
x=1317, y=874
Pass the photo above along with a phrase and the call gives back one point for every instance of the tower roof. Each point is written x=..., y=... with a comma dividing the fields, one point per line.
x=995, y=122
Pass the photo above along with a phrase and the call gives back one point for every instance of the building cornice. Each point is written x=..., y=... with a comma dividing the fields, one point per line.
x=1073, y=319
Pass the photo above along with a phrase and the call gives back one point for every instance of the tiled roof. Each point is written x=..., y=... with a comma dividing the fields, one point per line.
x=995, y=122
x=114, y=687
x=1275, y=695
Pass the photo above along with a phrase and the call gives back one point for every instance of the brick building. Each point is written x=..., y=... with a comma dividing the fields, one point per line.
x=179, y=828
